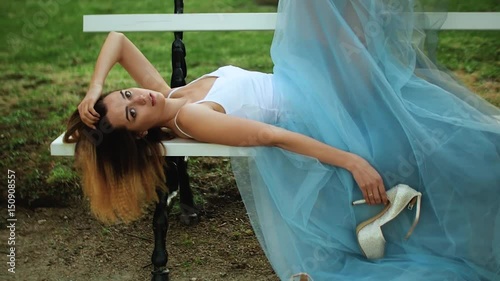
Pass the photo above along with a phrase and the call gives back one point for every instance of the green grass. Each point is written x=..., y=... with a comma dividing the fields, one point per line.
x=46, y=62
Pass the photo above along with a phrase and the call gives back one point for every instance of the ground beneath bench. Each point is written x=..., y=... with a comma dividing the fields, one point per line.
x=69, y=244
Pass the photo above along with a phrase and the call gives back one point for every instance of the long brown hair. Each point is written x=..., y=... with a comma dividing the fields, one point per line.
x=119, y=170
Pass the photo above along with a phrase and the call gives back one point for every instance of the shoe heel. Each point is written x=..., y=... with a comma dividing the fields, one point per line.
x=371, y=241
x=359, y=202
x=302, y=277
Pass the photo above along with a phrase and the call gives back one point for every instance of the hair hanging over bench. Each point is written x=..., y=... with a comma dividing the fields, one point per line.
x=120, y=172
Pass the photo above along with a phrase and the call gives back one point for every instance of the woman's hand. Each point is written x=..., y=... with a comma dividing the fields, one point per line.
x=369, y=181
x=86, y=108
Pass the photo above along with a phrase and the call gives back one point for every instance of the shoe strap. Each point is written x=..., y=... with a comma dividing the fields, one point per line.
x=416, y=200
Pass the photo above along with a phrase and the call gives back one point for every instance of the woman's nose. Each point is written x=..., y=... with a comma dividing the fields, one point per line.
x=140, y=99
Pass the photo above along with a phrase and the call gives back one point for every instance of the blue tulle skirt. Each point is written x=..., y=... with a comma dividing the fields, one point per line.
x=356, y=75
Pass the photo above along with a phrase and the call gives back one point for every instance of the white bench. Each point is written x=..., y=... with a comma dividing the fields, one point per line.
x=231, y=22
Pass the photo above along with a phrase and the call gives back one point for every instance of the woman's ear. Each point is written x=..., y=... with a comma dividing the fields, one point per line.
x=142, y=134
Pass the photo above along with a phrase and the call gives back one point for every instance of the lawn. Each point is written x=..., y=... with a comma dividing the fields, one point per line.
x=47, y=61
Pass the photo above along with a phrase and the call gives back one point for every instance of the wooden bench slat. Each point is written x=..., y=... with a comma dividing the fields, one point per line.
x=472, y=21
x=253, y=21
x=175, y=147
x=179, y=22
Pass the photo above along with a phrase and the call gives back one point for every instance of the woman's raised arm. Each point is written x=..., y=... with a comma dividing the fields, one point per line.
x=119, y=49
x=207, y=125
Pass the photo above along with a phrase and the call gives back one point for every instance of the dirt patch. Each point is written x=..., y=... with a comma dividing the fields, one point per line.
x=489, y=89
x=69, y=244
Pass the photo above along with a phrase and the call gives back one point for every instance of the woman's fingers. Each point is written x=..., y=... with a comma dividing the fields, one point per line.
x=94, y=113
x=372, y=187
x=88, y=119
x=91, y=119
x=374, y=196
x=383, y=194
x=370, y=182
x=379, y=192
x=369, y=194
x=90, y=122
x=91, y=115
x=87, y=112
x=365, y=195
x=89, y=105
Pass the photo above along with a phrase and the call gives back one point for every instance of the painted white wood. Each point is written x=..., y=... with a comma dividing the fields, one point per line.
x=253, y=21
x=175, y=147
x=472, y=21
x=179, y=22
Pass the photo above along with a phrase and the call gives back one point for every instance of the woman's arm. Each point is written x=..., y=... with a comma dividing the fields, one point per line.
x=207, y=125
x=119, y=49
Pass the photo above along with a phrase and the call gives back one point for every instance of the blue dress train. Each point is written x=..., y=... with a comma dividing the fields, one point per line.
x=353, y=74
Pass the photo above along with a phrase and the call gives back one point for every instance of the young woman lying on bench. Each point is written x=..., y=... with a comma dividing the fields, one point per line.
x=350, y=110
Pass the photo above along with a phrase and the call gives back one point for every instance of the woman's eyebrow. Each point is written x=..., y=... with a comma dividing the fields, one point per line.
x=126, y=107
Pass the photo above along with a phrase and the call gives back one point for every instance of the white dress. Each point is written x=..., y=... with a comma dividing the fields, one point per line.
x=243, y=93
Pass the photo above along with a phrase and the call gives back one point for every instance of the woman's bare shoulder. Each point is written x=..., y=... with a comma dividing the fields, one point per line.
x=205, y=124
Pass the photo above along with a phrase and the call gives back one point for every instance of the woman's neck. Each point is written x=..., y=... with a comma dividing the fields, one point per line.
x=178, y=97
x=172, y=106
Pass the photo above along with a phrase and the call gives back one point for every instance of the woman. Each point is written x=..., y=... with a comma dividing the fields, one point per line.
x=353, y=102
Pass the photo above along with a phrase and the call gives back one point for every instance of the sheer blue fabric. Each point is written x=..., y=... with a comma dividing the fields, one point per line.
x=354, y=74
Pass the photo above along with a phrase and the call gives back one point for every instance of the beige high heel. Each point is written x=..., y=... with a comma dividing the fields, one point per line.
x=369, y=233
x=302, y=277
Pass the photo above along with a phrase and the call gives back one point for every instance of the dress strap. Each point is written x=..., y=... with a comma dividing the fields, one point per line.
x=178, y=128
x=173, y=91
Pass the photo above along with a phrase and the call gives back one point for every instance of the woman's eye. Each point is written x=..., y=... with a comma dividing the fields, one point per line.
x=133, y=113
x=128, y=94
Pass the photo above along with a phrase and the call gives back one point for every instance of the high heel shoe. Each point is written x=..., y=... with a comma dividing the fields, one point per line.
x=369, y=233
x=302, y=277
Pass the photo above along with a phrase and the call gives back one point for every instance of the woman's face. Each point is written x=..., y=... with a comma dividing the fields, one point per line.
x=136, y=109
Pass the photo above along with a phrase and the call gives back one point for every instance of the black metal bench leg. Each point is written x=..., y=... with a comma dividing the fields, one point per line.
x=159, y=257
x=189, y=212
x=175, y=168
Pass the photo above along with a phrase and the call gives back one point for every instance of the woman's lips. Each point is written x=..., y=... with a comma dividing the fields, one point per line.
x=153, y=99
